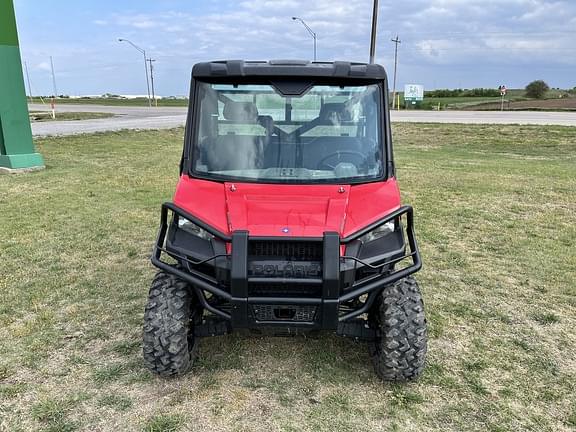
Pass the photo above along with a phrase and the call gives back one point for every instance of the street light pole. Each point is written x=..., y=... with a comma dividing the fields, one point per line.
x=28, y=79
x=374, y=28
x=145, y=66
x=309, y=31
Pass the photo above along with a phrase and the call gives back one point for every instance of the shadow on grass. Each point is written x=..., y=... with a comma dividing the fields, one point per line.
x=323, y=357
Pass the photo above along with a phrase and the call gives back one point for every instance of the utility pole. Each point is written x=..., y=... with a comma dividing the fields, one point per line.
x=152, y=81
x=28, y=80
x=396, y=41
x=374, y=28
x=55, y=89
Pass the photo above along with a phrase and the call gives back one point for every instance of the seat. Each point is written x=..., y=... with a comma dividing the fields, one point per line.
x=334, y=113
x=235, y=151
x=241, y=112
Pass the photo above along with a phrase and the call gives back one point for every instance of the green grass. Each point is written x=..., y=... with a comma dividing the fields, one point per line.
x=496, y=221
x=43, y=116
x=163, y=423
x=53, y=413
x=114, y=401
x=457, y=102
x=469, y=102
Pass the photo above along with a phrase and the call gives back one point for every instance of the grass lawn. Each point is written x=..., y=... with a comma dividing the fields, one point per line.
x=485, y=102
x=43, y=116
x=457, y=102
x=496, y=220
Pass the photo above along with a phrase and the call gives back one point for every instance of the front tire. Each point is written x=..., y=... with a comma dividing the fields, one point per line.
x=169, y=345
x=399, y=351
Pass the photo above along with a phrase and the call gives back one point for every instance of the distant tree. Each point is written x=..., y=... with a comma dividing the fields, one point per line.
x=476, y=92
x=537, y=89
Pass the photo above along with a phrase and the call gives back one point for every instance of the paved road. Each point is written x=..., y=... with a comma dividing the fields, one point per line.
x=487, y=117
x=169, y=117
x=125, y=118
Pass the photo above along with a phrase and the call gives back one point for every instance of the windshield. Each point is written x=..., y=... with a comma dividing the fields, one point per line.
x=326, y=134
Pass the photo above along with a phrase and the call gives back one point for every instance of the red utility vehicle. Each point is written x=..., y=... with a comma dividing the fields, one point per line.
x=287, y=217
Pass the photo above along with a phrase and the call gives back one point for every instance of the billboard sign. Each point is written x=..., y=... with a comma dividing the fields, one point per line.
x=413, y=92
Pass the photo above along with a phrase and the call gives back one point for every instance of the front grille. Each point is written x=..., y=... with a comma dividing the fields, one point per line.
x=284, y=290
x=299, y=313
x=287, y=250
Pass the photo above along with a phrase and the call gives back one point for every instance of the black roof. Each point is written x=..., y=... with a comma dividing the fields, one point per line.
x=288, y=68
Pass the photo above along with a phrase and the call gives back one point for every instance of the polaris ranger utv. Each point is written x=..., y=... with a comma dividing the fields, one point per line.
x=287, y=217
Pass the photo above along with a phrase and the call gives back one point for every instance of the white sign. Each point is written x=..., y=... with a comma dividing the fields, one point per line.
x=413, y=92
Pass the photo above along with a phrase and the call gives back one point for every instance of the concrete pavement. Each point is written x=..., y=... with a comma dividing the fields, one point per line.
x=488, y=117
x=124, y=118
x=170, y=117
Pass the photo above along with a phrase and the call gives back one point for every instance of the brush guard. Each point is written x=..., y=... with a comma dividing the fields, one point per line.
x=332, y=306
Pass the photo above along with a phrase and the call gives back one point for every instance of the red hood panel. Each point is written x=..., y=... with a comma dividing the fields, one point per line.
x=205, y=200
x=287, y=210
x=369, y=203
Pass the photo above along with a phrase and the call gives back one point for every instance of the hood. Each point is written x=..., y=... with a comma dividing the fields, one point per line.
x=286, y=210
x=274, y=210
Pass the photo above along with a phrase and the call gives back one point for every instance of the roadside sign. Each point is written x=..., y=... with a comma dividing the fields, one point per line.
x=413, y=92
x=503, y=90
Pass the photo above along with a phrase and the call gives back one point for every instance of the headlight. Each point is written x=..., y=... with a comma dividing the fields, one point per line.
x=379, y=232
x=192, y=228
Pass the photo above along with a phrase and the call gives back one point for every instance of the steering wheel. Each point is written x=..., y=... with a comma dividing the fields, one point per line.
x=322, y=163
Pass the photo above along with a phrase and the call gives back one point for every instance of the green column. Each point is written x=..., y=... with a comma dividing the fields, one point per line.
x=16, y=145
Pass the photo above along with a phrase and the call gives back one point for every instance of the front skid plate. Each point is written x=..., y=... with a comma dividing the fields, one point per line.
x=356, y=329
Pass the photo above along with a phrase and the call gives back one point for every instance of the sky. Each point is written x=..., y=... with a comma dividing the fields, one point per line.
x=444, y=43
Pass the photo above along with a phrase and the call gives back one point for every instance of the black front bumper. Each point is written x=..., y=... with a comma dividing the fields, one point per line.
x=315, y=288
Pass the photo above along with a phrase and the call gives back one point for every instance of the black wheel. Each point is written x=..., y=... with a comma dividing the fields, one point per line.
x=169, y=345
x=399, y=351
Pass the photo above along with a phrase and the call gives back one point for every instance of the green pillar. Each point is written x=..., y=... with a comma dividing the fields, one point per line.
x=16, y=145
